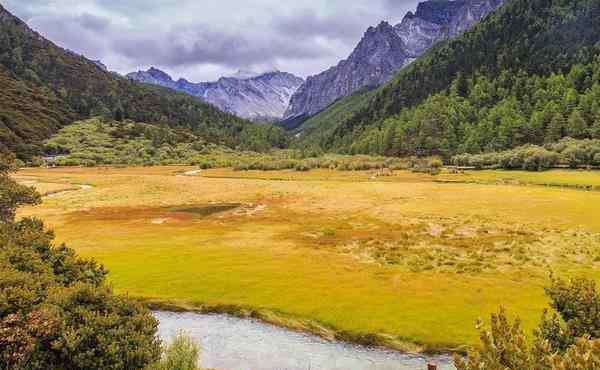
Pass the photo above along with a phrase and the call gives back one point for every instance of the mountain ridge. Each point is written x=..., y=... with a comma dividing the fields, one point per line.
x=258, y=97
x=46, y=87
x=386, y=49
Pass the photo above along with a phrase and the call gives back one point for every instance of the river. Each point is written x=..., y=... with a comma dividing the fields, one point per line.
x=230, y=343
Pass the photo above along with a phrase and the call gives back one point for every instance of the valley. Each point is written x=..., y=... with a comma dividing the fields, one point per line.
x=431, y=201
x=408, y=261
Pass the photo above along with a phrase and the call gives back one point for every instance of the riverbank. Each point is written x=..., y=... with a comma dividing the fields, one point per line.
x=307, y=326
x=230, y=343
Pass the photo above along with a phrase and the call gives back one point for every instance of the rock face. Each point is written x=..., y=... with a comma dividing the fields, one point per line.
x=262, y=97
x=384, y=50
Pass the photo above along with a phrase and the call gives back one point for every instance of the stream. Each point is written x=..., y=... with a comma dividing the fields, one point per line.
x=229, y=343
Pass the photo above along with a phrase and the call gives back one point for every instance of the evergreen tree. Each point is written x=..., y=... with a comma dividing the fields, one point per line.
x=556, y=129
x=118, y=114
x=577, y=128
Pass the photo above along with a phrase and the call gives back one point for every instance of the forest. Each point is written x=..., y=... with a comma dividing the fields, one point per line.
x=487, y=90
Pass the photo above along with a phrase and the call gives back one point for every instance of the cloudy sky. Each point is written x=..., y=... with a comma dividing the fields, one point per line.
x=203, y=39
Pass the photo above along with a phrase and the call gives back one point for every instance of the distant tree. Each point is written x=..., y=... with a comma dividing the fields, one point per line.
x=118, y=116
x=556, y=129
x=576, y=127
x=460, y=86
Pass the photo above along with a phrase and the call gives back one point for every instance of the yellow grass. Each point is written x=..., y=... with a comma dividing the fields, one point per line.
x=404, y=257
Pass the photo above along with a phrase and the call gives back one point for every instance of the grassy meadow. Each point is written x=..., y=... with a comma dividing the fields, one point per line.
x=407, y=260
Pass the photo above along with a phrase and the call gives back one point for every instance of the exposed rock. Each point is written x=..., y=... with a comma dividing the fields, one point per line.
x=384, y=50
x=259, y=97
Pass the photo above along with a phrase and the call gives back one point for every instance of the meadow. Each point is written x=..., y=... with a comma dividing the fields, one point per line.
x=407, y=260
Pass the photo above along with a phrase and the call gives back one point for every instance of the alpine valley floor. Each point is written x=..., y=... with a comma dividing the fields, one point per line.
x=407, y=261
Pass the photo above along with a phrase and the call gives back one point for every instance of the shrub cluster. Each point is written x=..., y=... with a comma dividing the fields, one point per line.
x=56, y=312
x=290, y=160
x=578, y=153
x=565, y=340
x=567, y=152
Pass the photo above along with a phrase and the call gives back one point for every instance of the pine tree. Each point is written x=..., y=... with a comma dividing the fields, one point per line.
x=556, y=129
x=577, y=128
x=119, y=114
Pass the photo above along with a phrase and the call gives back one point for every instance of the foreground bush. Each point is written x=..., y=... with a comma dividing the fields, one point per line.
x=566, y=340
x=182, y=354
x=55, y=310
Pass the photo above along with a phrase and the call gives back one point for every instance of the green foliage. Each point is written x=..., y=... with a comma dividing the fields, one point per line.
x=577, y=306
x=527, y=74
x=567, y=152
x=182, y=354
x=55, y=311
x=98, y=142
x=566, y=340
x=12, y=195
x=104, y=142
x=528, y=157
x=295, y=160
x=45, y=88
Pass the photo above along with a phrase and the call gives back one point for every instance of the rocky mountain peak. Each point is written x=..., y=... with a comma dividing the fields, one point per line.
x=385, y=49
x=158, y=74
x=259, y=97
x=381, y=27
x=100, y=65
x=243, y=74
x=439, y=12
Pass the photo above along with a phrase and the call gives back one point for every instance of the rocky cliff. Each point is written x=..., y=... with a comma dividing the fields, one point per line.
x=384, y=50
x=262, y=97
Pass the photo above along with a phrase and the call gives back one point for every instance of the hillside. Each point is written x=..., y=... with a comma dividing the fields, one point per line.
x=48, y=87
x=260, y=98
x=502, y=68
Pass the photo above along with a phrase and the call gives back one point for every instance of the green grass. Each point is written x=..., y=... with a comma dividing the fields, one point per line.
x=412, y=261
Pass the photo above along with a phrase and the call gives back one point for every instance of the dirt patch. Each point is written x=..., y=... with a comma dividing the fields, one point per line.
x=207, y=210
x=159, y=221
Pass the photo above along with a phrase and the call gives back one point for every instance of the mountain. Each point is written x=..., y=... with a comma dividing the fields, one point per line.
x=385, y=49
x=258, y=97
x=45, y=87
x=529, y=73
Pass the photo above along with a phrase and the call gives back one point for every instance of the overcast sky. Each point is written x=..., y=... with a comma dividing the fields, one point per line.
x=202, y=40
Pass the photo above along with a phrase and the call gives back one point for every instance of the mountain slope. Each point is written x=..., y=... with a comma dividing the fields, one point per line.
x=536, y=37
x=263, y=97
x=49, y=87
x=384, y=50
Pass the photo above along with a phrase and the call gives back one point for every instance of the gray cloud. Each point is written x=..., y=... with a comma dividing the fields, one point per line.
x=183, y=46
x=308, y=23
x=201, y=40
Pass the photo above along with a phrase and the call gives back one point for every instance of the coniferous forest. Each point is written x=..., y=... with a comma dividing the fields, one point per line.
x=488, y=90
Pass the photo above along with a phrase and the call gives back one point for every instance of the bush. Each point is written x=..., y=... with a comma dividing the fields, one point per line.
x=528, y=157
x=302, y=167
x=568, y=340
x=432, y=166
x=55, y=310
x=182, y=354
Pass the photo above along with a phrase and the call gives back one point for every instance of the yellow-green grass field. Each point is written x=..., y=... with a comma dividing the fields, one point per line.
x=412, y=260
